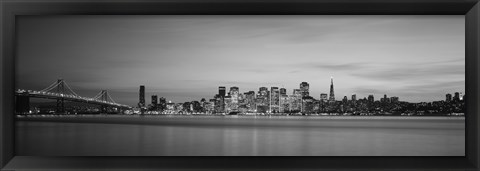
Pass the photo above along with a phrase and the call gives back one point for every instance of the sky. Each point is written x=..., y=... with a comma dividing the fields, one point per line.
x=186, y=58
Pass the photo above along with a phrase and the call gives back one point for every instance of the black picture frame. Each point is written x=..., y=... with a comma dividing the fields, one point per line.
x=10, y=9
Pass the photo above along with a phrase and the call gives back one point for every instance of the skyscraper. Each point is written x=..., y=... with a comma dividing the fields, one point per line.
x=234, y=94
x=448, y=97
x=141, y=102
x=384, y=99
x=371, y=99
x=304, y=86
x=154, y=100
x=456, y=98
x=274, y=99
x=354, y=97
x=332, y=94
x=323, y=97
x=162, y=103
x=250, y=100
x=221, y=91
x=296, y=100
x=283, y=91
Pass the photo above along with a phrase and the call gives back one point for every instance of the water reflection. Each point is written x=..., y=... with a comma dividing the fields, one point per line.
x=237, y=137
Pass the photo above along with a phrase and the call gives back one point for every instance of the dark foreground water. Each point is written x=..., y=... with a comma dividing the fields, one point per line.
x=241, y=136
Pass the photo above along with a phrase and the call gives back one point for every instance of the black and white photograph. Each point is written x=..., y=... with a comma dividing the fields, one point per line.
x=240, y=85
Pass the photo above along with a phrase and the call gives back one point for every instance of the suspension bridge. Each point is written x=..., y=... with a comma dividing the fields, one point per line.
x=61, y=92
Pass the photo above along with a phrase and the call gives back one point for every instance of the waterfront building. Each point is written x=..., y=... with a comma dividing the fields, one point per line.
x=162, y=103
x=354, y=97
x=262, y=101
x=178, y=108
x=219, y=104
x=274, y=99
x=296, y=100
x=170, y=106
x=250, y=100
x=234, y=91
x=263, y=97
x=304, y=87
x=345, y=100
x=234, y=95
x=284, y=103
x=308, y=105
x=229, y=105
x=209, y=106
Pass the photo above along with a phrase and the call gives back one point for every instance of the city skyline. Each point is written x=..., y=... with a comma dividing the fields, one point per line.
x=377, y=97
x=184, y=58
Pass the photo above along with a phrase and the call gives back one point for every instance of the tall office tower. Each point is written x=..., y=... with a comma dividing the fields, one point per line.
x=274, y=99
x=141, y=102
x=354, y=97
x=332, y=94
x=457, y=97
x=384, y=99
x=284, y=103
x=323, y=97
x=371, y=99
x=234, y=92
x=345, y=100
x=222, y=91
x=250, y=100
x=219, y=104
x=154, y=100
x=296, y=100
x=304, y=86
x=263, y=98
x=283, y=91
x=448, y=97
x=162, y=103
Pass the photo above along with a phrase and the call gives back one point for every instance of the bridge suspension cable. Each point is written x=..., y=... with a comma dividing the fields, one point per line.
x=111, y=98
x=50, y=87
x=68, y=88
x=104, y=96
x=99, y=94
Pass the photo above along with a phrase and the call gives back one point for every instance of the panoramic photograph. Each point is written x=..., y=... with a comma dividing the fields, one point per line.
x=240, y=85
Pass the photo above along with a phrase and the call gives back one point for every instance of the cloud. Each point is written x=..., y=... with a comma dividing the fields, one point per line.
x=332, y=67
x=412, y=72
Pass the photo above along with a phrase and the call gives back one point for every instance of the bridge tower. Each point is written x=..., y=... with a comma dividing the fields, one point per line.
x=104, y=97
x=60, y=101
